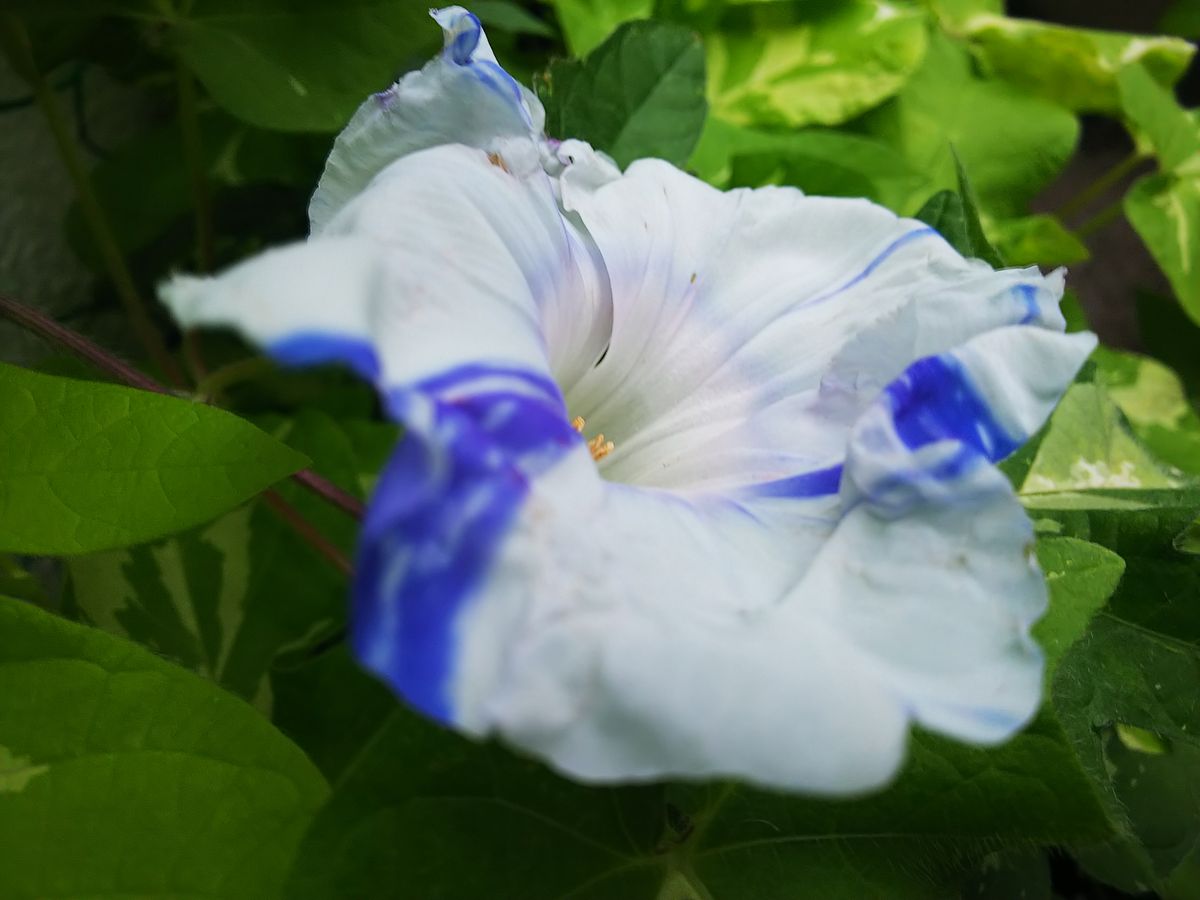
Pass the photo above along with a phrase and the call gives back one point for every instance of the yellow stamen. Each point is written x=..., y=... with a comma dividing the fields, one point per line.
x=597, y=446
x=600, y=448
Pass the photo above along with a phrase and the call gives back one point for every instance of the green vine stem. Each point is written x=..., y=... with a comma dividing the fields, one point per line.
x=211, y=386
x=15, y=43
x=193, y=155
x=1101, y=220
x=1108, y=179
x=202, y=210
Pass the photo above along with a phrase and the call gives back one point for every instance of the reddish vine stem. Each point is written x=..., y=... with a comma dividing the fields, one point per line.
x=330, y=493
x=42, y=325
x=308, y=532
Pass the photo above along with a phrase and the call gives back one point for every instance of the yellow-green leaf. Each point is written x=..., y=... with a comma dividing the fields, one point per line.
x=1074, y=67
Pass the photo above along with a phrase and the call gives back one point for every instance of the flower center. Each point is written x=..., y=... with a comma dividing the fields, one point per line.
x=598, y=446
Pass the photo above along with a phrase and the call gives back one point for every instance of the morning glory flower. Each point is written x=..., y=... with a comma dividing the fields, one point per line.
x=693, y=483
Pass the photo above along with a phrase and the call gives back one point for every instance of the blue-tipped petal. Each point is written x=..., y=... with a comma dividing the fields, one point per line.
x=935, y=430
x=316, y=348
x=462, y=96
x=475, y=438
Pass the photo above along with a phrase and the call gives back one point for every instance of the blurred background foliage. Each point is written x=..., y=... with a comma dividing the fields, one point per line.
x=140, y=137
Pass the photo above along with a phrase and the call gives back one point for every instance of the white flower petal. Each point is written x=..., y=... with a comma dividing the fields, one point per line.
x=939, y=604
x=632, y=633
x=446, y=260
x=462, y=96
x=735, y=313
x=931, y=569
x=280, y=300
x=629, y=634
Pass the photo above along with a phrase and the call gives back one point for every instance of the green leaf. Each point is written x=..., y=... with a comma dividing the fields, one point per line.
x=1073, y=67
x=1155, y=112
x=300, y=66
x=919, y=839
x=819, y=63
x=639, y=94
x=20, y=583
x=1128, y=674
x=822, y=162
x=1152, y=398
x=1072, y=311
x=956, y=218
x=1010, y=142
x=293, y=595
x=1182, y=18
x=418, y=805
x=122, y=775
x=62, y=10
x=1188, y=540
x=1037, y=240
x=507, y=16
x=586, y=23
x=1165, y=212
x=954, y=13
x=181, y=597
x=1170, y=335
x=1126, y=694
x=88, y=466
x=1087, y=447
x=819, y=161
x=1159, y=793
x=1081, y=577
x=1023, y=874
x=144, y=186
x=329, y=706
x=228, y=599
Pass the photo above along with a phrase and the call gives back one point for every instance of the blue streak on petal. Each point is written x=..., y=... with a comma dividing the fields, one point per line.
x=934, y=400
x=464, y=38
x=494, y=76
x=1000, y=720
x=463, y=35
x=880, y=259
x=904, y=489
x=313, y=348
x=818, y=483
x=439, y=514
x=464, y=376
x=934, y=407
x=1028, y=295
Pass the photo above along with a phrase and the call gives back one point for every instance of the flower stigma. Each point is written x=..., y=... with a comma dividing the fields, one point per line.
x=597, y=446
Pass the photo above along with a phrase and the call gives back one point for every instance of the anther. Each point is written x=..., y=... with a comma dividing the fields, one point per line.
x=600, y=448
x=597, y=446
